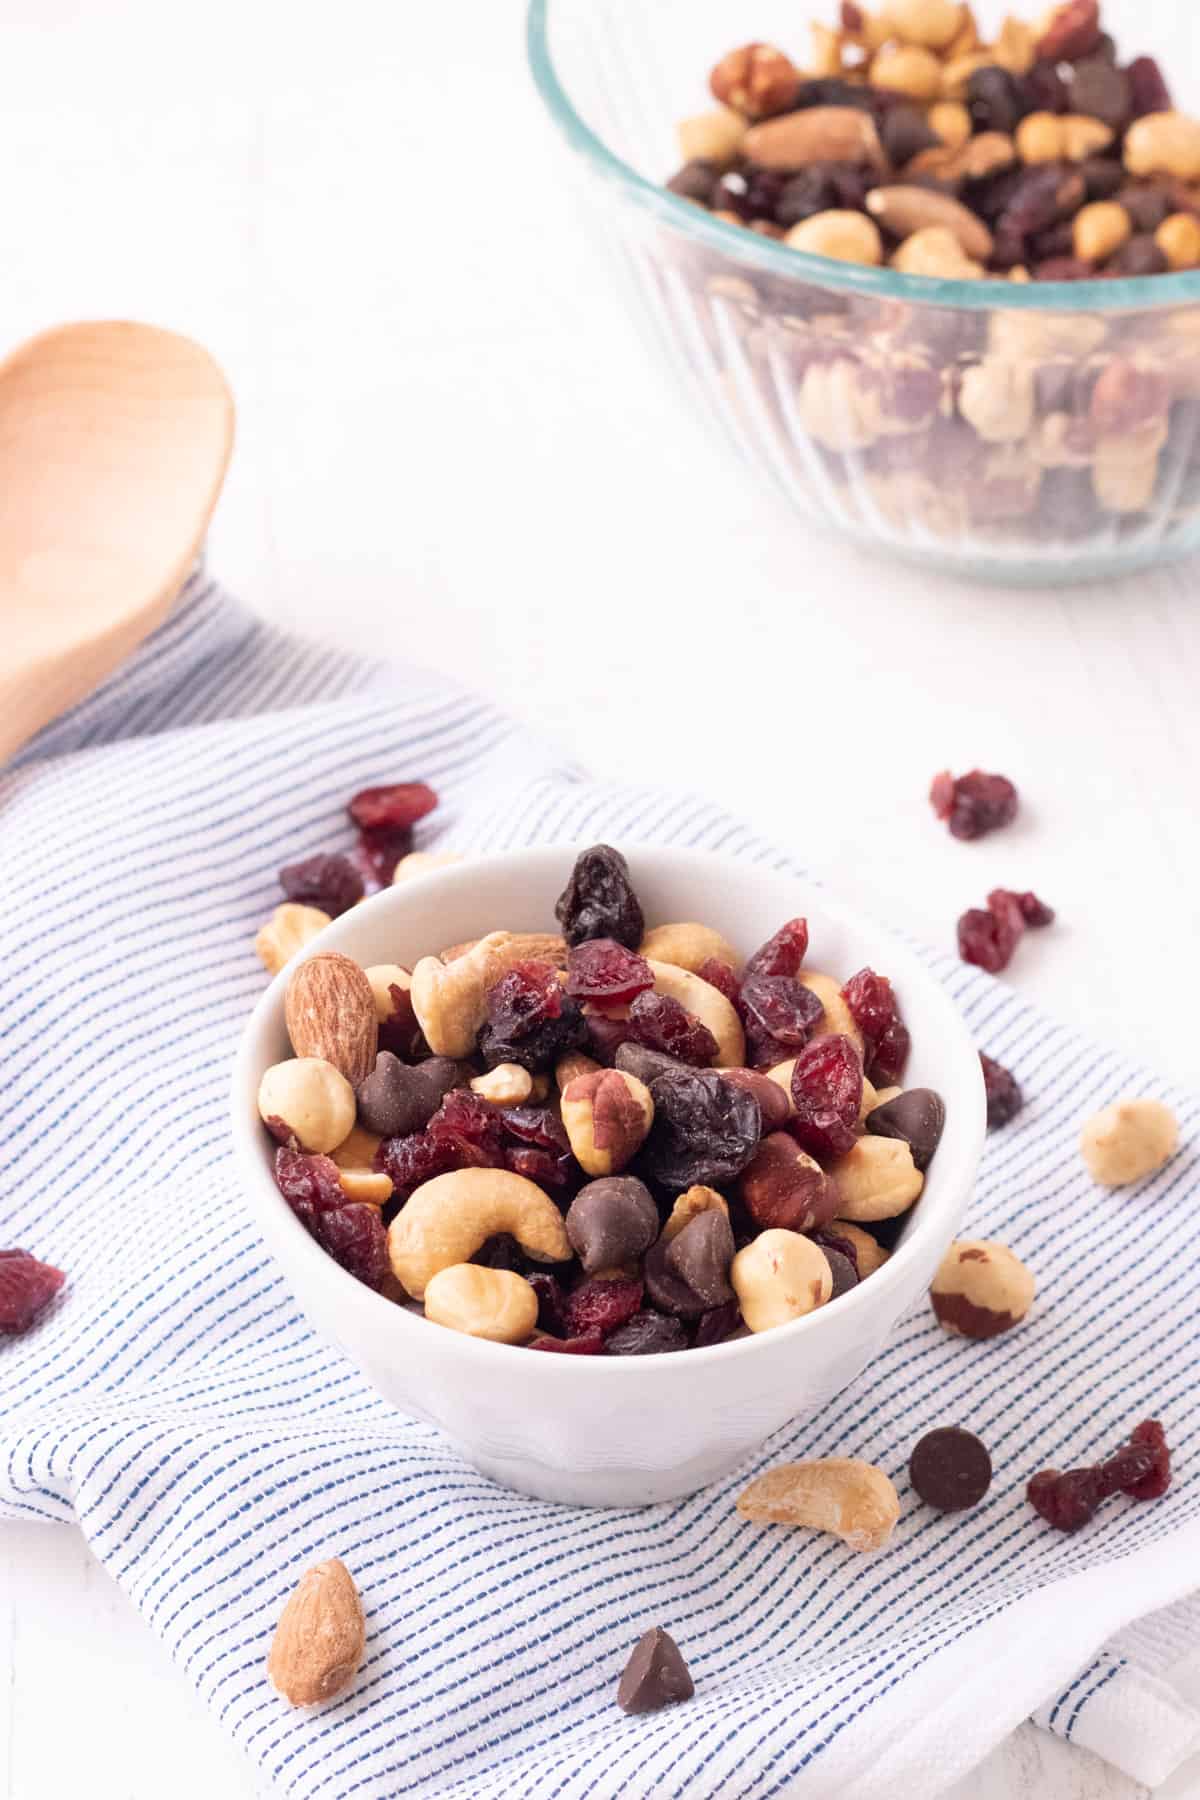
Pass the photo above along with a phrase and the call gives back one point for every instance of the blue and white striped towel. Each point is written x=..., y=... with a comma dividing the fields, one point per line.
x=177, y=1408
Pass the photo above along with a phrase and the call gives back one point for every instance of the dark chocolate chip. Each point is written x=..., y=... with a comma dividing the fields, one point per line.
x=611, y=1221
x=700, y=1255
x=950, y=1469
x=395, y=1099
x=642, y=1062
x=845, y=1275
x=916, y=1116
x=668, y=1291
x=655, y=1675
x=695, y=181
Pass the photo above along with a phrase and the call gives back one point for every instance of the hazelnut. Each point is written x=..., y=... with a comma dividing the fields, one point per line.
x=1129, y=1140
x=876, y=1179
x=779, y=1277
x=756, y=80
x=783, y=1186
x=307, y=1099
x=607, y=1116
x=981, y=1289
x=484, y=1303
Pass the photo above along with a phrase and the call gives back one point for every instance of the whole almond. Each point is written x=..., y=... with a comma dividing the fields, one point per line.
x=320, y=1638
x=818, y=134
x=903, y=210
x=330, y=1013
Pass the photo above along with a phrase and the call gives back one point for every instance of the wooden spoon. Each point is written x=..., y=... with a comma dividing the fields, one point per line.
x=114, y=441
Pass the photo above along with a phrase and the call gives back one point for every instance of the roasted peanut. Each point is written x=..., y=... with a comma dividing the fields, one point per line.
x=288, y=929
x=981, y=1289
x=1129, y=1140
x=997, y=398
x=355, y=1159
x=1166, y=143
x=484, y=1303
x=932, y=24
x=713, y=137
x=451, y=1217
x=508, y=1084
x=844, y=236
x=688, y=946
x=907, y=69
x=825, y=58
x=1100, y=229
x=853, y=1500
x=952, y=122
x=778, y=1277
x=607, y=1116
x=310, y=1099
x=937, y=253
x=876, y=1179
x=1179, y=240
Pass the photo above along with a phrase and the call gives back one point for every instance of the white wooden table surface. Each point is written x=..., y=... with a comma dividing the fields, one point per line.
x=452, y=449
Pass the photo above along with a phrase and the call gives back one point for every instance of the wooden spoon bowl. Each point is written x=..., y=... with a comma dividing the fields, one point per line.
x=114, y=442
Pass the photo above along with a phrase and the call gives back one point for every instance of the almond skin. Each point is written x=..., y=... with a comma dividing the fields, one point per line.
x=818, y=134
x=320, y=1638
x=330, y=1012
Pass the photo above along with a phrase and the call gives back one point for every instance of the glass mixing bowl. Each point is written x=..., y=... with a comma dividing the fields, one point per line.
x=1041, y=432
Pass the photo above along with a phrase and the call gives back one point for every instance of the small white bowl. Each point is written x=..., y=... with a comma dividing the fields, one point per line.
x=619, y=1431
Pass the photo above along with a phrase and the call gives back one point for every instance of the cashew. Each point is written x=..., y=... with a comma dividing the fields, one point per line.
x=450, y=999
x=312, y=1099
x=981, y=1289
x=522, y=946
x=287, y=930
x=958, y=70
x=1015, y=48
x=706, y=1003
x=844, y=236
x=933, y=24
x=422, y=862
x=689, y=1206
x=781, y=1075
x=778, y=1277
x=935, y=252
x=607, y=1116
x=908, y=69
x=997, y=398
x=1100, y=229
x=449, y=1218
x=838, y=1020
x=1179, y=240
x=1128, y=1140
x=1166, y=143
x=484, y=1303
x=713, y=137
x=854, y=1500
x=508, y=1084
x=1044, y=137
x=360, y=1180
x=869, y=1254
x=876, y=1179
x=569, y=1067
x=383, y=977
x=687, y=946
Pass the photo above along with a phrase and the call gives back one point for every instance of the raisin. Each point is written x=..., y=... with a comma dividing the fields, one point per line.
x=779, y=1009
x=580, y=1346
x=1149, y=1435
x=646, y=1334
x=393, y=808
x=599, y=902
x=600, y=1306
x=783, y=953
x=502, y=1252
x=905, y=133
x=552, y=1302
x=399, y=1032
x=1139, y=255
x=1045, y=89
x=27, y=1287
x=975, y=803
x=1148, y=90
x=827, y=1086
x=330, y=882
x=601, y=969
x=661, y=1023
x=1004, y=1096
x=996, y=99
x=721, y=976
x=705, y=1130
x=355, y=1238
x=309, y=1184
x=872, y=1005
x=530, y=1019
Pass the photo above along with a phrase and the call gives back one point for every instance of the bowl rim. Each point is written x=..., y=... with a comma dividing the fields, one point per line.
x=271, y=1212
x=1123, y=294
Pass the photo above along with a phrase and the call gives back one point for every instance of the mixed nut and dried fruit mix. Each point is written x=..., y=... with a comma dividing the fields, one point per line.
x=907, y=139
x=615, y=1141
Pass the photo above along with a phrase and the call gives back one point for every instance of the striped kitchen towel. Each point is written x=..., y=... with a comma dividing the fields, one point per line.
x=177, y=1408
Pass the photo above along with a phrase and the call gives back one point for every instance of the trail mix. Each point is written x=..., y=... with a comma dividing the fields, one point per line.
x=615, y=1140
x=907, y=140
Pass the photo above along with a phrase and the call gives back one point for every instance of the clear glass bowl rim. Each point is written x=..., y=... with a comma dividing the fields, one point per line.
x=1141, y=293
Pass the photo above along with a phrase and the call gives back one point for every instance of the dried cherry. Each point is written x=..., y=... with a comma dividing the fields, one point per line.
x=705, y=1130
x=599, y=902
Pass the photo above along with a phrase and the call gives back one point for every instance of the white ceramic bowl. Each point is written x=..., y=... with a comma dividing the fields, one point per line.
x=619, y=1431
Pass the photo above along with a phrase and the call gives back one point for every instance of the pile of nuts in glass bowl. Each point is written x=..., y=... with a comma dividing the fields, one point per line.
x=615, y=1141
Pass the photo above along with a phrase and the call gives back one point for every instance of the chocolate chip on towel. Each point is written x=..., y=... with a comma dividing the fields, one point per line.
x=950, y=1469
x=655, y=1675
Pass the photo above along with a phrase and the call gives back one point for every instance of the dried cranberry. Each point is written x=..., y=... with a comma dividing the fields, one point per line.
x=552, y=1302
x=988, y=938
x=891, y=1054
x=355, y=1238
x=714, y=1326
x=1033, y=911
x=580, y=1346
x=780, y=1009
x=467, y=1117
x=537, y=1125
x=705, y=1130
x=399, y=1032
x=1067, y=1501
x=530, y=1019
x=1148, y=90
x=602, y=1306
x=330, y=882
x=601, y=969
x=396, y=807
x=871, y=1001
x=378, y=852
x=1149, y=1435
x=1004, y=1096
x=27, y=1287
x=905, y=132
x=555, y=1171
x=721, y=976
x=783, y=953
x=309, y=1184
x=646, y=1334
x=412, y=1161
x=1140, y=1468
x=975, y=803
x=661, y=1023
x=827, y=1085
x=599, y=902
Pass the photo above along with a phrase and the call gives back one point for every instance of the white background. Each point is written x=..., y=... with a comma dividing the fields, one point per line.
x=452, y=448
